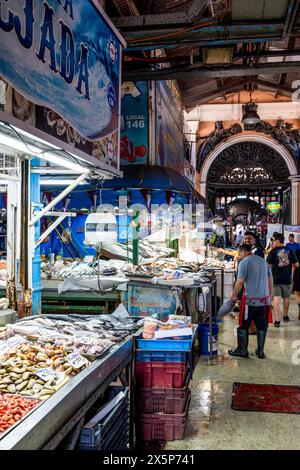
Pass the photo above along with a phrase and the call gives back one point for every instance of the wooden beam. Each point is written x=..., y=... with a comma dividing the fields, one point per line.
x=195, y=94
x=274, y=86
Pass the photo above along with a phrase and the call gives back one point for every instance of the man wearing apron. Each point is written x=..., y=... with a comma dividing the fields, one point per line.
x=254, y=275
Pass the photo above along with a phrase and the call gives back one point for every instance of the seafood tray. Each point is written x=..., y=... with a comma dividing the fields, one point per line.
x=139, y=275
x=93, y=336
x=6, y=400
x=35, y=371
x=112, y=430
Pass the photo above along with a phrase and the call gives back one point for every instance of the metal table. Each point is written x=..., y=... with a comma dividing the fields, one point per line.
x=51, y=422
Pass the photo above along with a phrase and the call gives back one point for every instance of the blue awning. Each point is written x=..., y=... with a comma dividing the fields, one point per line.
x=154, y=178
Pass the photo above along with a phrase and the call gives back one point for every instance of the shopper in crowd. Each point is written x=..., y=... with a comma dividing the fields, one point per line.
x=256, y=249
x=296, y=286
x=250, y=239
x=292, y=245
x=283, y=262
x=255, y=276
x=270, y=246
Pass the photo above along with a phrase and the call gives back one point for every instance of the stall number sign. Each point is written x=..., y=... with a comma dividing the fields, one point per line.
x=274, y=207
x=11, y=343
x=76, y=360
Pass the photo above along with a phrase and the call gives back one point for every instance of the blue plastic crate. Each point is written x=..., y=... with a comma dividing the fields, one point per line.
x=161, y=356
x=167, y=344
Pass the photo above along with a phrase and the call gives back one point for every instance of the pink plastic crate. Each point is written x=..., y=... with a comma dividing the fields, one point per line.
x=162, y=400
x=161, y=374
x=162, y=427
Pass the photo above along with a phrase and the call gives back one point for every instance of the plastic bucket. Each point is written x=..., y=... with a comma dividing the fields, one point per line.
x=204, y=338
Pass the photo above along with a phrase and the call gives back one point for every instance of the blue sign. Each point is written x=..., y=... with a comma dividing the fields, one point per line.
x=149, y=300
x=169, y=126
x=124, y=229
x=134, y=125
x=64, y=55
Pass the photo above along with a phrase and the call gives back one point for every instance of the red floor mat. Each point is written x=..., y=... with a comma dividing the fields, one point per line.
x=267, y=398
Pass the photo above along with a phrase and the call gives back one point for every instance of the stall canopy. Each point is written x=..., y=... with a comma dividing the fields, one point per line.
x=154, y=178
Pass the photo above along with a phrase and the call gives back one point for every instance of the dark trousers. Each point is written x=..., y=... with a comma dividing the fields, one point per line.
x=257, y=314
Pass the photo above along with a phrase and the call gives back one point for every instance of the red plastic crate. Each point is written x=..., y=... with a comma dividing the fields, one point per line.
x=162, y=400
x=161, y=374
x=162, y=427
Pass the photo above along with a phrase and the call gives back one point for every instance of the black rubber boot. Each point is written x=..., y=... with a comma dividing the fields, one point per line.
x=242, y=339
x=261, y=338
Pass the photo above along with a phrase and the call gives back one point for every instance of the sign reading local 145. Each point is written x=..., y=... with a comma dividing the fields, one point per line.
x=64, y=55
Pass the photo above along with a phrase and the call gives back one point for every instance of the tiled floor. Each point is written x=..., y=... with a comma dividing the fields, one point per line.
x=211, y=422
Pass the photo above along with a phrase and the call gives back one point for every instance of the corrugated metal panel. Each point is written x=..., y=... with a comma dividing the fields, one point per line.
x=258, y=9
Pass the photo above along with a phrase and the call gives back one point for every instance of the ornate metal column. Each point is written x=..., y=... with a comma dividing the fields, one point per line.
x=295, y=180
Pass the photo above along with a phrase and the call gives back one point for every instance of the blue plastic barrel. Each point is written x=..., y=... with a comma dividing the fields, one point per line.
x=204, y=339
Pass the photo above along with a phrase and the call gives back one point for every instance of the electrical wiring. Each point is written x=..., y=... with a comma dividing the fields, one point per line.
x=152, y=59
x=176, y=32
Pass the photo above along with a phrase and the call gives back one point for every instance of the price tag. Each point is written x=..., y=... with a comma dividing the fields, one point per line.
x=59, y=377
x=45, y=374
x=76, y=360
x=11, y=343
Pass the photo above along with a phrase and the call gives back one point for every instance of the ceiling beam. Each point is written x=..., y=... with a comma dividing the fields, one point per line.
x=226, y=88
x=193, y=73
x=294, y=5
x=192, y=13
x=192, y=97
x=273, y=86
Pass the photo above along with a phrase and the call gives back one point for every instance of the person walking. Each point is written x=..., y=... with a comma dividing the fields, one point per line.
x=283, y=262
x=250, y=239
x=255, y=276
x=296, y=285
x=292, y=245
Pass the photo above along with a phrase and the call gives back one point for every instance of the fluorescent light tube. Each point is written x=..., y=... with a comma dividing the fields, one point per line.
x=35, y=151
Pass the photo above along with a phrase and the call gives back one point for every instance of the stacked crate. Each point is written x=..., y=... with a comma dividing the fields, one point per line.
x=112, y=432
x=162, y=392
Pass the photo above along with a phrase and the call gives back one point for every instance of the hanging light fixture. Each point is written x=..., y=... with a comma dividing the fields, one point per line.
x=250, y=116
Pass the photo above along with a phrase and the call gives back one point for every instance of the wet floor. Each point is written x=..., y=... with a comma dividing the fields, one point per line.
x=211, y=422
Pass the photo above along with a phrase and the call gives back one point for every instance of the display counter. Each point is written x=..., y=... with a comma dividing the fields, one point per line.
x=48, y=425
x=77, y=301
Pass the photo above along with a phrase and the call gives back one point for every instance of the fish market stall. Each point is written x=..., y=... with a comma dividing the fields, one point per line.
x=54, y=370
x=81, y=287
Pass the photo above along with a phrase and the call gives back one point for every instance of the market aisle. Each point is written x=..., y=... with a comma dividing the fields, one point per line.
x=213, y=425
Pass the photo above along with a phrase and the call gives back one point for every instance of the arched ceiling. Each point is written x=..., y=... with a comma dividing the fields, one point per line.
x=250, y=164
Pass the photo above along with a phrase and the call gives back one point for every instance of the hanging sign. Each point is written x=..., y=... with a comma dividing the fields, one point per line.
x=274, y=207
x=134, y=124
x=60, y=63
x=65, y=55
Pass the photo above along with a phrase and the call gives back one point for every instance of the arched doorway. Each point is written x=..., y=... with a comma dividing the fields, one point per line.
x=251, y=166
